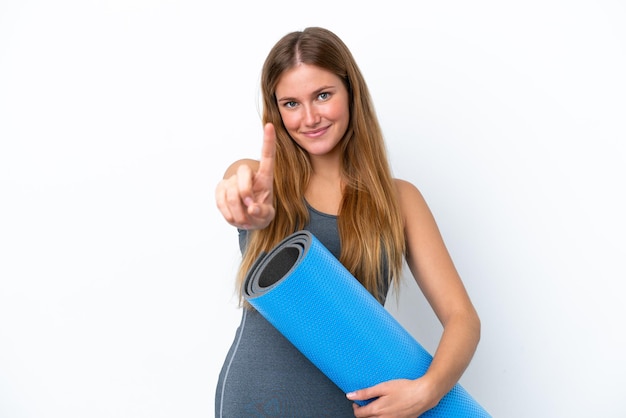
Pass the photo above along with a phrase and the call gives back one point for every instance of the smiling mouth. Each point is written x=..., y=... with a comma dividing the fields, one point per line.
x=316, y=132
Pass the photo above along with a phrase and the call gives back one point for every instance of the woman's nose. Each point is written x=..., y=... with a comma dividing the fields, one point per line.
x=311, y=116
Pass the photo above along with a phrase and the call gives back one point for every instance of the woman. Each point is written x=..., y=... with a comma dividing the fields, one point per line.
x=323, y=167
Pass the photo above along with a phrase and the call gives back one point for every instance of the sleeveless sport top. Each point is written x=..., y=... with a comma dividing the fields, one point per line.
x=264, y=375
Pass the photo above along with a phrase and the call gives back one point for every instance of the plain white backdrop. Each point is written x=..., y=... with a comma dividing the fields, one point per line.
x=118, y=117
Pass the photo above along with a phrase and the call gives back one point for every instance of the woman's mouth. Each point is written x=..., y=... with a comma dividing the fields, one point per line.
x=316, y=133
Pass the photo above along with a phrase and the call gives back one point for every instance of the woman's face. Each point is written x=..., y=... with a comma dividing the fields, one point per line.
x=313, y=105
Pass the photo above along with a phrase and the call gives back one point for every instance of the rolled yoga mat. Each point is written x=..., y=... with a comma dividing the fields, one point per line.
x=316, y=303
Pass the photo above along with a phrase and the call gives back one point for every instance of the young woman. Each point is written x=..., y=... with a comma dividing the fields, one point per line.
x=323, y=167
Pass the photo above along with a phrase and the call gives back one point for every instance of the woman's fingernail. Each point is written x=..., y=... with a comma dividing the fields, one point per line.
x=350, y=395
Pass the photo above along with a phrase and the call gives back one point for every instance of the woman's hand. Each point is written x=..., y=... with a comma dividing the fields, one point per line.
x=401, y=398
x=245, y=195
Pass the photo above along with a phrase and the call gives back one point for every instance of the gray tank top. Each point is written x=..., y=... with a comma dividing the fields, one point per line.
x=264, y=375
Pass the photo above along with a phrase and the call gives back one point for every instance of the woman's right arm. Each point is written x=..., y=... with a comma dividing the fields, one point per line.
x=245, y=195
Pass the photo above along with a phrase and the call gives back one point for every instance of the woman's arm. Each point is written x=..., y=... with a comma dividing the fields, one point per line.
x=437, y=277
x=245, y=195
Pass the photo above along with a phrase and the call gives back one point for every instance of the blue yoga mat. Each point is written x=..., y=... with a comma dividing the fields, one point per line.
x=316, y=303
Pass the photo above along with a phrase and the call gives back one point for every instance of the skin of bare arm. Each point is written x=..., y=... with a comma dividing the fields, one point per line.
x=244, y=196
x=433, y=269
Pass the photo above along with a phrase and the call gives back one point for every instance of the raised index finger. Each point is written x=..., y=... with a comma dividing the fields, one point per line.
x=266, y=164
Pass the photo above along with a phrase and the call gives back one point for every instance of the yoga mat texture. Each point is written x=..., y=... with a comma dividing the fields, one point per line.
x=316, y=303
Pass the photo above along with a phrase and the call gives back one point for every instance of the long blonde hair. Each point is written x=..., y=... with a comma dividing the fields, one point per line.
x=369, y=220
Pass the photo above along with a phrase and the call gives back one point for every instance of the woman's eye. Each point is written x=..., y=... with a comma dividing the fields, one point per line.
x=290, y=105
x=324, y=96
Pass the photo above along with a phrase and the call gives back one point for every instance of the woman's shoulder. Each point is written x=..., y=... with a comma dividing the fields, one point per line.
x=409, y=196
x=406, y=189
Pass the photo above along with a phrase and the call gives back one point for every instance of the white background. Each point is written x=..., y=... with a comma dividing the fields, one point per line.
x=117, y=119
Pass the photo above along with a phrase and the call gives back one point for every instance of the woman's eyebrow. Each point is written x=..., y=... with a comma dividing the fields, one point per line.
x=313, y=93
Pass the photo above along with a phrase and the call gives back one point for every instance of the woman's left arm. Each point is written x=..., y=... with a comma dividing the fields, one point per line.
x=435, y=273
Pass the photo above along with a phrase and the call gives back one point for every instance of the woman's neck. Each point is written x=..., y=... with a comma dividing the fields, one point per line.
x=325, y=189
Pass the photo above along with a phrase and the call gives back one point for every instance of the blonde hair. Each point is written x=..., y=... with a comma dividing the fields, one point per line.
x=369, y=220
